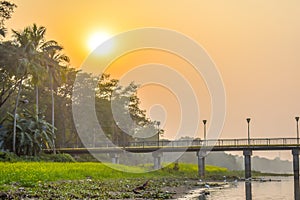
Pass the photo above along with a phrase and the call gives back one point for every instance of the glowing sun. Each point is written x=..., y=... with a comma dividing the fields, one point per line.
x=97, y=39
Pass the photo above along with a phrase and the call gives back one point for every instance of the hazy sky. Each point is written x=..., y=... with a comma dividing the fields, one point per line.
x=255, y=45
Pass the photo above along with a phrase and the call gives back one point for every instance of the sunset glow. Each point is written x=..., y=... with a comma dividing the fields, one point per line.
x=255, y=45
x=97, y=39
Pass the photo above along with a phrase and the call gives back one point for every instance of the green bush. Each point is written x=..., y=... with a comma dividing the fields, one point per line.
x=11, y=157
x=33, y=134
x=61, y=158
x=86, y=158
x=8, y=157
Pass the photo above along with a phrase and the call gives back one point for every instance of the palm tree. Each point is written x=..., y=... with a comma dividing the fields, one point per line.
x=32, y=41
x=36, y=36
x=37, y=58
x=23, y=39
x=53, y=61
x=39, y=51
x=56, y=64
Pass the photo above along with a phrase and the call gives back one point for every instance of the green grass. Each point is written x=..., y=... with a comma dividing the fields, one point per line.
x=44, y=180
x=33, y=173
x=90, y=180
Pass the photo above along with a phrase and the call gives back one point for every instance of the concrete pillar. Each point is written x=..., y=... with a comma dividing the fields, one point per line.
x=247, y=156
x=114, y=158
x=157, y=159
x=295, y=153
x=201, y=163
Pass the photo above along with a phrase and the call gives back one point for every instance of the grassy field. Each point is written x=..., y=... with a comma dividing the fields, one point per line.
x=90, y=180
x=33, y=173
x=43, y=180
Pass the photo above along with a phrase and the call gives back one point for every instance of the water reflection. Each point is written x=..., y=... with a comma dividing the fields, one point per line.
x=274, y=190
x=248, y=186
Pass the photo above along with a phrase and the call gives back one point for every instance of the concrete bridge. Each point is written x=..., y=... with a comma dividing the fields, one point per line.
x=201, y=147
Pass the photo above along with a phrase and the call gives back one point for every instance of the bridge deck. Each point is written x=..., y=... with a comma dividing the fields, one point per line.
x=260, y=144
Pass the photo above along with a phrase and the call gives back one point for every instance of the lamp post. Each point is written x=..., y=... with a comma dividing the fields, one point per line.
x=158, y=123
x=248, y=122
x=297, y=121
x=204, y=130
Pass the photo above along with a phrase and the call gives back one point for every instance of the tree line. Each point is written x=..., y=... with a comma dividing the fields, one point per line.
x=36, y=85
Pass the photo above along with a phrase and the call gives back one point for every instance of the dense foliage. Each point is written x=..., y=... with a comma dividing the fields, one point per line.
x=33, y=133
x=36, y=85
x=10, y=157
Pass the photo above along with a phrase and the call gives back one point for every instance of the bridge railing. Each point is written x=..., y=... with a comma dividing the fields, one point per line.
x=198, y=142
x=218, y=143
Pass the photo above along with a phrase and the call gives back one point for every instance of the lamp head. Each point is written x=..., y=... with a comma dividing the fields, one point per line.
x=204, y=121
x=248, y=119
x=297, y=119
x=158, y=123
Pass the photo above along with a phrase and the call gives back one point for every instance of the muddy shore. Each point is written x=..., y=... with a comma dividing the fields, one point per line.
x=164, y=188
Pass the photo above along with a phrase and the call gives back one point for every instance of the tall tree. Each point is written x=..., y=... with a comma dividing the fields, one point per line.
x=8, y=84
x=32, y=41
x=56, y=63
x=66, y=131
x=126, y=104
x=10, y=55
x=39, y=53
x=14, y=65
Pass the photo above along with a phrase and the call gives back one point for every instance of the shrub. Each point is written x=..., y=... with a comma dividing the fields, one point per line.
x=8, y=157
x=61, y=158
x=33, y=134
x=11, y=157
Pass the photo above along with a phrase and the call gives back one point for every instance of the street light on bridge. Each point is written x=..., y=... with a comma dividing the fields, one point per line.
x=297, y=122
x=158, y=124
x=204, y=123
x=248, y=122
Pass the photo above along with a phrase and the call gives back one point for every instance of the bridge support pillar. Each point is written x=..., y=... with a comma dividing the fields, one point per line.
x=114, y=158
x=247, y=160
x=295, y=153
x=157, y=159
x=201, y=163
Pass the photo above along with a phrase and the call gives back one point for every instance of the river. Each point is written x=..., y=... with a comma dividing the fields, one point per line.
x=283, y=190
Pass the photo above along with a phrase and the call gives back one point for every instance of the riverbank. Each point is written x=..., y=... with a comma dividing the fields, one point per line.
x=44, y=180
x=161, y=188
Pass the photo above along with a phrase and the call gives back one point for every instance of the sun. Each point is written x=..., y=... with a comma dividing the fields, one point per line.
x=97, y=39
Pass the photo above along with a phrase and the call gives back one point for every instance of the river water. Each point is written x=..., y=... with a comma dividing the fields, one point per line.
x=283, y=190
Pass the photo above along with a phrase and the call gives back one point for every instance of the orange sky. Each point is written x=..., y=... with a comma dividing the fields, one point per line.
x=254, y=43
